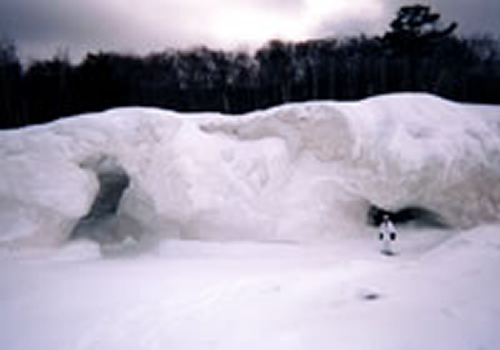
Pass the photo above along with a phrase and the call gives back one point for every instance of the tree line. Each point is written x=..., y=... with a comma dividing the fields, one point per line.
x=418, y=53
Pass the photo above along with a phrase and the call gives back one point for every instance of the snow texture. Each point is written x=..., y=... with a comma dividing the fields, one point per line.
x=246, y=295
x=146, y=229
x=300, y=172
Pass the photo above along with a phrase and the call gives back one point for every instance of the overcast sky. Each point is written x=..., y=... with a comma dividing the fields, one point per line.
x=41, y=28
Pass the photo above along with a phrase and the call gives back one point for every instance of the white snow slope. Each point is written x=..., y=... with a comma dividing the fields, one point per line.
x=251, y=232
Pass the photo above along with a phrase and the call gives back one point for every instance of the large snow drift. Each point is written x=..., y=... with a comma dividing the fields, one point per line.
x=300, y=172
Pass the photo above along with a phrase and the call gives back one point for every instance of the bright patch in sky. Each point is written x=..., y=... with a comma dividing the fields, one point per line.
x=254, y=27
x=243, y=23
x=41, y=28
x=226, y=23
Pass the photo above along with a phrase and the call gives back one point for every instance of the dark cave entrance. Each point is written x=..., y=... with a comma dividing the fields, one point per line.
x=409, y=216
x=101, y=223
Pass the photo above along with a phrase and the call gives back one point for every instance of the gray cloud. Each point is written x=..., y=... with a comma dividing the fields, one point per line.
x=42, y=27
x=349, y=26
x=473, y=17
x=50, y=19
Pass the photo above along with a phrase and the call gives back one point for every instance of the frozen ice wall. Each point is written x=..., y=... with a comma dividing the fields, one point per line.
x=302, y=172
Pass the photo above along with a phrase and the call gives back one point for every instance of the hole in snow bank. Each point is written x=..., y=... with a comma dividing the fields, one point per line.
x=368, y=295
x=414, y=216
x=112, y=185
x=102, y=224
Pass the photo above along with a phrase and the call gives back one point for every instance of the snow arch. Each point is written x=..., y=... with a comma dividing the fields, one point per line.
x=298, y=172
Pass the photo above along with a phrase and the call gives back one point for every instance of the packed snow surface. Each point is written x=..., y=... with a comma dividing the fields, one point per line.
x=437, y=293
x=147, y=229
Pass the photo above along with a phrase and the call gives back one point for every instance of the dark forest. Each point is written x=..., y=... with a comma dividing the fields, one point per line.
x=417, y=53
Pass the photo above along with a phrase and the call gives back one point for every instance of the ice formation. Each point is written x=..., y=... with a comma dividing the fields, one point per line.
x=300, y=172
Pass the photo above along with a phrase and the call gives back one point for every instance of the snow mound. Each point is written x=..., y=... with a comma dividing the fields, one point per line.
x=299, y=172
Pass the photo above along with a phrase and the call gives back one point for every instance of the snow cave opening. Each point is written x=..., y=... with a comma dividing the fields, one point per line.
x=411, y=216
x=102, y=223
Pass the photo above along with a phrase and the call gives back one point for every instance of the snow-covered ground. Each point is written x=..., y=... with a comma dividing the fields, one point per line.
x=142, y=229
x=438, y=293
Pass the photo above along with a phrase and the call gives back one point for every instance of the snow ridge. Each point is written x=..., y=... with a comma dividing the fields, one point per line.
x=299, y=172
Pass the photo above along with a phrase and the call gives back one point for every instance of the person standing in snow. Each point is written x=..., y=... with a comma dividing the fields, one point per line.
x=387, y=235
